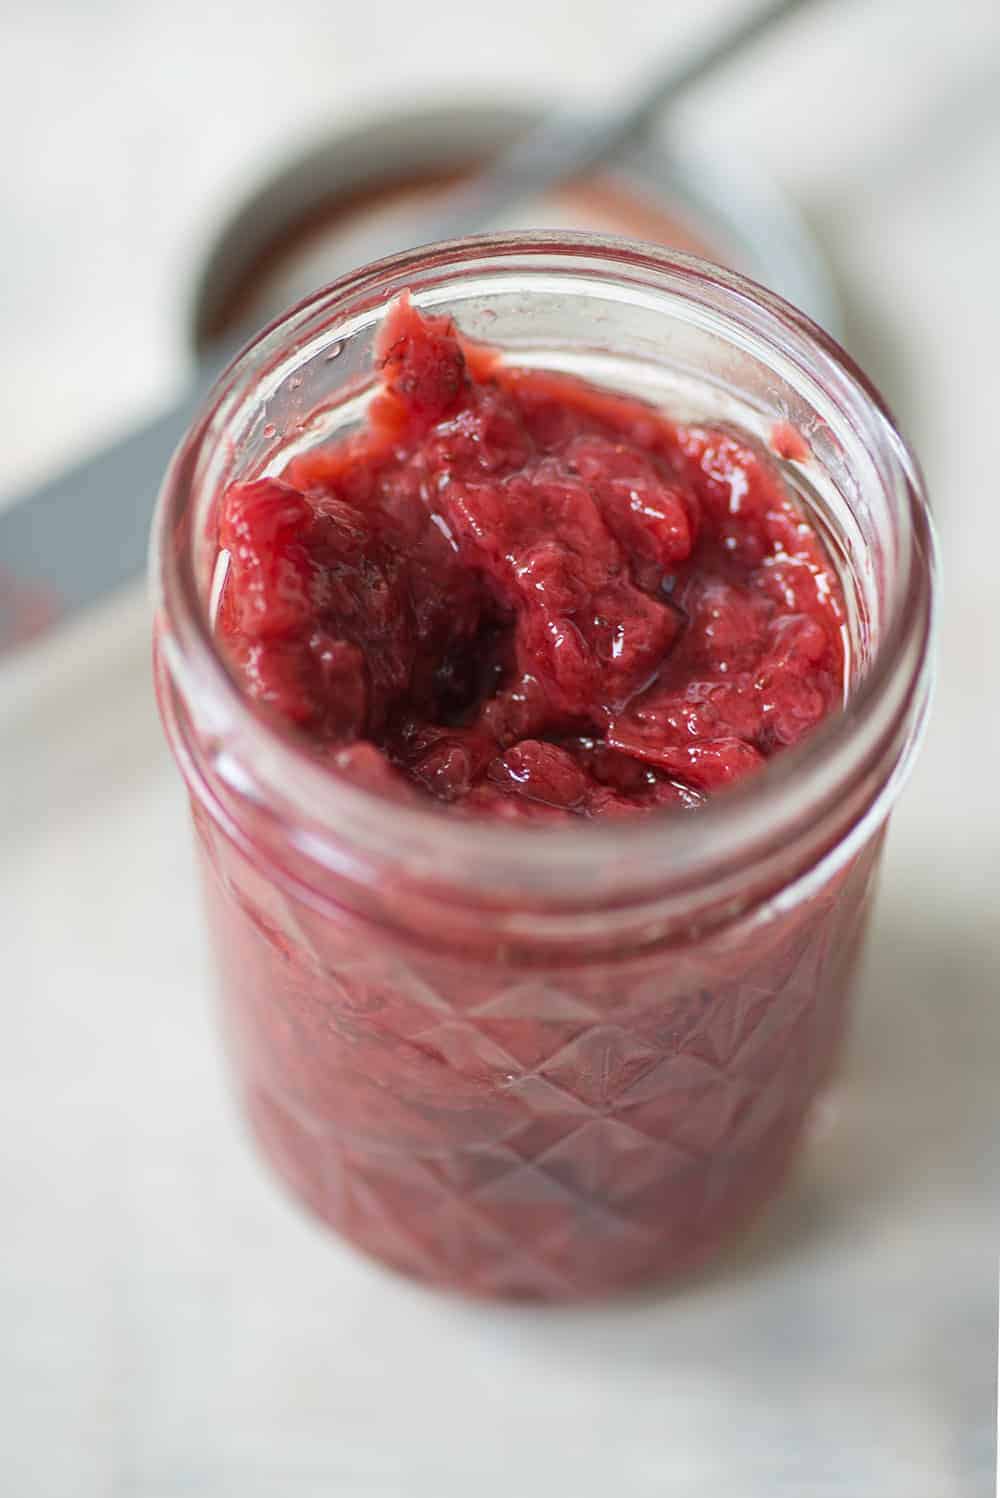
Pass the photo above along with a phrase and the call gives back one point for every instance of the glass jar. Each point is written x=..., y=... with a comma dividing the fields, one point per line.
x=545, y=1063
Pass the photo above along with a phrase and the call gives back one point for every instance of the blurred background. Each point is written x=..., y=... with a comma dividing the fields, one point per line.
x=169, y=1325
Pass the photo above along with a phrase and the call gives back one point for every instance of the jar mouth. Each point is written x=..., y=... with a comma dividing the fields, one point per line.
x=824, y=793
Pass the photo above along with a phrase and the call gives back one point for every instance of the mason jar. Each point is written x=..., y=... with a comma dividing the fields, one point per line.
x=552, y=1062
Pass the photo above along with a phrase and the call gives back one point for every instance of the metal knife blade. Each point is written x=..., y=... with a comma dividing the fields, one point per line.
x=85, y=532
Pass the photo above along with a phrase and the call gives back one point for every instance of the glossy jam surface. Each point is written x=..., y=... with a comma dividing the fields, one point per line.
x=526, y=597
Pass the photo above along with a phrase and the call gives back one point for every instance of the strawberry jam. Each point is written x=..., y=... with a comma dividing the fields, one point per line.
x=514, y=595
x=525, y=597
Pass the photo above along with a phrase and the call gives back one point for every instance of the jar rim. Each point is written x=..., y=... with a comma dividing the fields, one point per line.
x=795, y=802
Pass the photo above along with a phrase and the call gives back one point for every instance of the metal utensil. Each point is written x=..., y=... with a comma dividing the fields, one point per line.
x=671, y=186
x=70, y=541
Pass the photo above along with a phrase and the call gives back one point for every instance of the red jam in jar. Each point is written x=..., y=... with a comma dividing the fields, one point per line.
x=534, y=883
x=529, y=598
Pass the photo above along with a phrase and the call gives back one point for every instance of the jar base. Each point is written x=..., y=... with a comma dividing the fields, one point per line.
x=523, y=1237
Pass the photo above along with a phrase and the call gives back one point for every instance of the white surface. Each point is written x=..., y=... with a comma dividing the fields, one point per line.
x=169, y=1326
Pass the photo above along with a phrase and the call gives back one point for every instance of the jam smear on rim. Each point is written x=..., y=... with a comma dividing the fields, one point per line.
x=528, y=598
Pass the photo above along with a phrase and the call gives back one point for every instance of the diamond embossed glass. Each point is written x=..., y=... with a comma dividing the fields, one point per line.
x=545, y=1063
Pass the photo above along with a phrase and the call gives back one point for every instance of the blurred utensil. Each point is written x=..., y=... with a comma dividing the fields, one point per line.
x=672, y=187
x=67, y=543
x=571, y=141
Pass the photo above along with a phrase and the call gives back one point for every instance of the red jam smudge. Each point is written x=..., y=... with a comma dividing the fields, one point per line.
x=788, y=442
x=526, y=597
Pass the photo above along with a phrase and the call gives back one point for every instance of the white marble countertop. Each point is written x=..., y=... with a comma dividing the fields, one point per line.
x=169, y=1326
